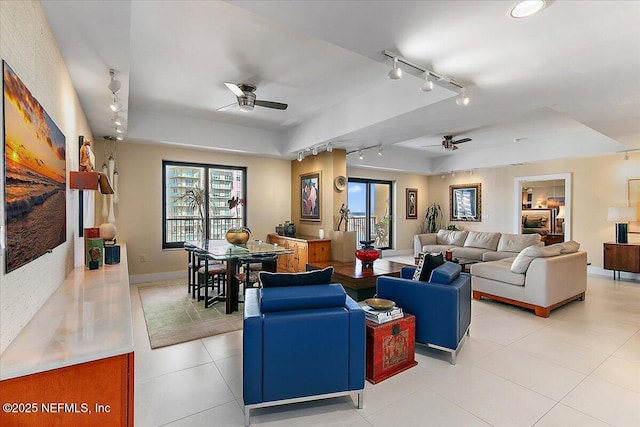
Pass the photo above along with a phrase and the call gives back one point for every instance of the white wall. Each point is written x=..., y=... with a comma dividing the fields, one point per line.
x=28, y=46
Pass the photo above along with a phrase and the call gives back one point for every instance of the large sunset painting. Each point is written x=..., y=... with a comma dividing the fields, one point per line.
x=35, y=176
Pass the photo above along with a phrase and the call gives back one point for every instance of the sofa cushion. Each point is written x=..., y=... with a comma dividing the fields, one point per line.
x=314, y=277
x=451, y=237
x=499, y=271
x=426, y=266
x=468, y=253
x=524, y=258
x=567, y=247
x=446, y=273
x=483, y=240
x=517, y=242
x=436, y=248
x=302, y=297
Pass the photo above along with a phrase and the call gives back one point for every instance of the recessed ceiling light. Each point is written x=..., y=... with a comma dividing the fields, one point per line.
x=527, y=8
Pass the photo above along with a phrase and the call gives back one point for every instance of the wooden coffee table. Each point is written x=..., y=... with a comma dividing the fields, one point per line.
x=360, y=283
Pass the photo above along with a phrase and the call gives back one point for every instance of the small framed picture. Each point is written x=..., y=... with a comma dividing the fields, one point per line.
x=412, y=203
x=310, y=196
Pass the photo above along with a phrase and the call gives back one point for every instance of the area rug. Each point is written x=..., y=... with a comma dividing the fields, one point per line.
x=173, y=317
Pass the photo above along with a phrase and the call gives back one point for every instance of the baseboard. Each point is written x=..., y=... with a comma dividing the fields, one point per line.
x=154, y=277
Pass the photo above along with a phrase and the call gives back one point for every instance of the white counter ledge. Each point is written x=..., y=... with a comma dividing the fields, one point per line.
x=87, y=318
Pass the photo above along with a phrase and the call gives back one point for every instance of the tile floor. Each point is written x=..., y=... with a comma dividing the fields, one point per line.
x=579, y=367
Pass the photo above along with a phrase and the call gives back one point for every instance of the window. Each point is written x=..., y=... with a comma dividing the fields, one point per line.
x=194, y=201
x=370, y=204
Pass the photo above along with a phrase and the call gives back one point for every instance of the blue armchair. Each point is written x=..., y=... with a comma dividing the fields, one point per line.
x=442, y=306
x=301, y=343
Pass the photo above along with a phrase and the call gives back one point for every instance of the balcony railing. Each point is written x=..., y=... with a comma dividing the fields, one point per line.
x=183, y=229
x=359, y=225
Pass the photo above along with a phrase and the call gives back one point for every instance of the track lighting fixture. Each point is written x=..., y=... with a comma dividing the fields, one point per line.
x=463, y=99
x=427, y=86
x=626, y=156
x=453, y=174
x=300, y=156
x=329, y=147
x=120, y=137
x=471, y=172
x=119, y=129
x=314, y=151
x=430, y=76
x=443, y=176
x=114, y=84
x=395, y=73
x=380, y=150
x=360, y=155
x=118, y=120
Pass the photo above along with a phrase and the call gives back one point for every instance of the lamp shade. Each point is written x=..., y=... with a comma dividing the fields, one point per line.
x=622, y=214
x=561, y=212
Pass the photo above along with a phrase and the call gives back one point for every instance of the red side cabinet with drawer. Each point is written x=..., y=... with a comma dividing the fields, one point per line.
x=390, y=348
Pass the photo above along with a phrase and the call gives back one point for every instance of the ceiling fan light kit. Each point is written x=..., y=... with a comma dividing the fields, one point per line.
x=245, y=93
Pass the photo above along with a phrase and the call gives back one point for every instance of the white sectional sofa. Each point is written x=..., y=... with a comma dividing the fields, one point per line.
x=474, y=245
x=539, y=278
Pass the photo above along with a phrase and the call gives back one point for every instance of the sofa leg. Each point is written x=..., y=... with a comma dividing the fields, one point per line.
x=360, y=399
x=543, y=311
x=246, y=417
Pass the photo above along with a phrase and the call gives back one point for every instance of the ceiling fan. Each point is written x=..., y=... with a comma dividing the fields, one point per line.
x=448, y=143
x=247, y=97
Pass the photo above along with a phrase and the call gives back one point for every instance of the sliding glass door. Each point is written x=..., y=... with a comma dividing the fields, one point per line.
x=370, y=206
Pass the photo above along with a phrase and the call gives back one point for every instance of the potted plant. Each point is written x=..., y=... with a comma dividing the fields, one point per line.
x=237, y=235
x=432, y=217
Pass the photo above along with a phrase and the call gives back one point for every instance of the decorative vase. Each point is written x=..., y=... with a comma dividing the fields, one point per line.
x=367, y=254
x=238, y=236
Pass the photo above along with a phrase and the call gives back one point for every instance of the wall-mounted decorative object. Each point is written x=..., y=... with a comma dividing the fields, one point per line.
x=340, y=183
x=35, y=176
x=465, y=202
x=412, y=203
x=633, y=200
x=311, y=193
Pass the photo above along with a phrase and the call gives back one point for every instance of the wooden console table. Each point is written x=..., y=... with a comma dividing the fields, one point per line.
x=622, y=257
x=306, y=249
x=72, y=364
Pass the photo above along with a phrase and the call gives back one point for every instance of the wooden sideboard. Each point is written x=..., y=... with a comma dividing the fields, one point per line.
x=622, y=257
x=73, y=363
x=306, y=249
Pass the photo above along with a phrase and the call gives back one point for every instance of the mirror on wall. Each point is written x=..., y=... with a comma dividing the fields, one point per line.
x=543, y=206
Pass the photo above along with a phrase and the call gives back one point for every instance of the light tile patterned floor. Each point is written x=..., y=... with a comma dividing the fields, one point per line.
x=580, y=367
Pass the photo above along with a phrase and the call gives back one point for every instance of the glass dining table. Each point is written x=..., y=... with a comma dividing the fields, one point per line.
x=221, y=250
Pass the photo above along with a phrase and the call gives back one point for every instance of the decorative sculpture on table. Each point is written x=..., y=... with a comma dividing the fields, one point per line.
x=367, y=254
x=87, y=158
x=237, y=235
x=344, y=215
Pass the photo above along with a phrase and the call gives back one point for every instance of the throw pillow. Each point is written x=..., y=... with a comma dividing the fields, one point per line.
x=426, y=266
x=314, y=277
x=524, y=258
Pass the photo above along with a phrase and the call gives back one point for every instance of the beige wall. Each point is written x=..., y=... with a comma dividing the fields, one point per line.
x=598, y=183
x=404, y=228
x=28, y=46
x=139, y=211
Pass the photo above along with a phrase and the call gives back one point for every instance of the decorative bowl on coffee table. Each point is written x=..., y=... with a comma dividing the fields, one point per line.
x=367, y=254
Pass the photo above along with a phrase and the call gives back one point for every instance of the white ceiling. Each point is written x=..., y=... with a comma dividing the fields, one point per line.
x=561, y=84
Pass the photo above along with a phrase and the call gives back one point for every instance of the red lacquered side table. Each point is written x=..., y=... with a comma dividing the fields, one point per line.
x=390, y=348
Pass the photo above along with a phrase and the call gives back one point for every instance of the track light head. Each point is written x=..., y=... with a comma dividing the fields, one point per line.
x=115, y=104
x=300, y=156
x=380, y=150
x=114, y=85
x=314, y=151
x=463, y=99
x=329, y=147
x=120, y=137
x=395, y=73
x=443, y=176
x=119, y=129
x=118, y=120
x=360, y=155
x=453, y=174
x=626, y=156
x=427, y=86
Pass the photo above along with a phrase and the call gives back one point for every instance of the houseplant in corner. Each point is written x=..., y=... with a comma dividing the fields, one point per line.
x=432, y=217
x=237, y=235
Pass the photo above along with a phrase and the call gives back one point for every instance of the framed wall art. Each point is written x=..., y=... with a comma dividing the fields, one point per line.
x=311, y=196
x=412, y=203
x=465, y=202
x=35, y=176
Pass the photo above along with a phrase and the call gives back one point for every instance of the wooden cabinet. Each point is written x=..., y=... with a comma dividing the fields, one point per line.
x=305, y=250
x=622, y=257
x=390, y=348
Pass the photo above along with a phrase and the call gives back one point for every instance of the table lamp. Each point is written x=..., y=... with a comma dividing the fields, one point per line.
x=622, y=216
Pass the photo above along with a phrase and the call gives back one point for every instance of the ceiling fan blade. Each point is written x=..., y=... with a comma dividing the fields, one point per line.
x=460, y=141
x=234, y=88
x=271, y=104
x=432, y=145
x=227, y=107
